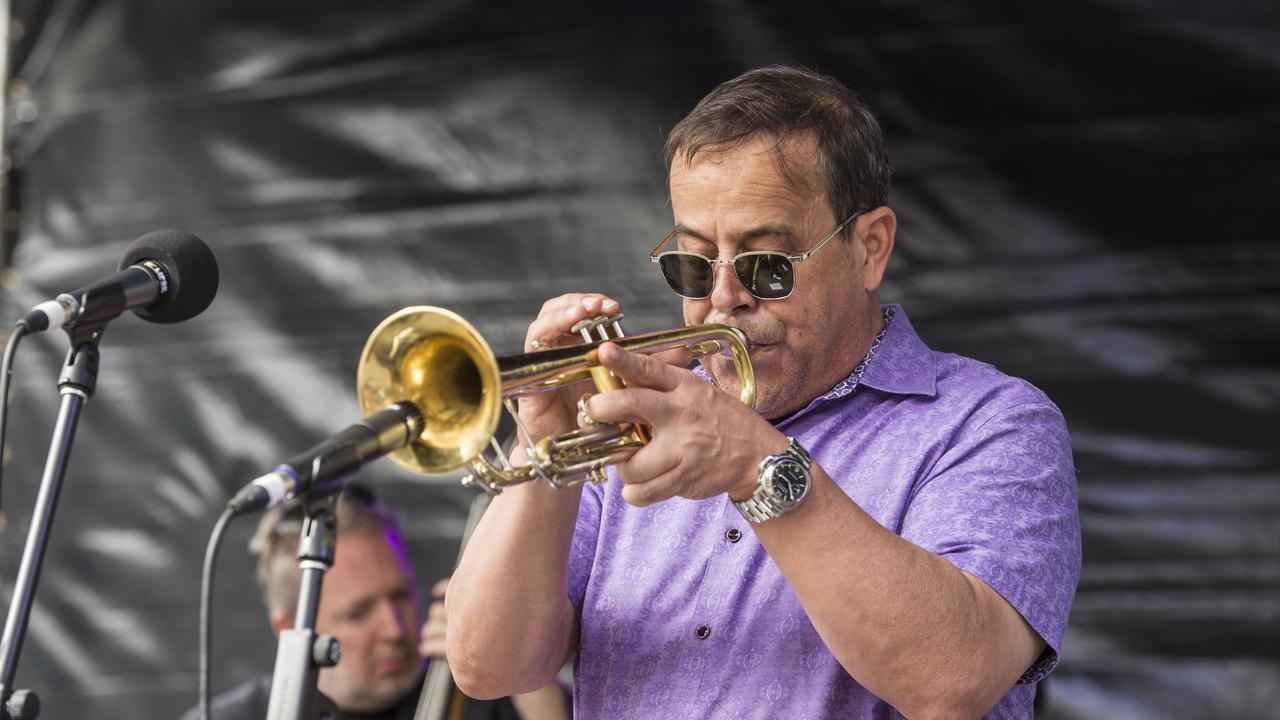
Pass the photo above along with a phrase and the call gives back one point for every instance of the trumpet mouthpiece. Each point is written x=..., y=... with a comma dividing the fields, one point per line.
x=709, y=347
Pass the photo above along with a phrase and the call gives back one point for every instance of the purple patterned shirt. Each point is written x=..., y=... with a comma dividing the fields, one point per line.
x=684, y=615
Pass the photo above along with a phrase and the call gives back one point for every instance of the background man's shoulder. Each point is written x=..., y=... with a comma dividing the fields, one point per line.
x=247, y=701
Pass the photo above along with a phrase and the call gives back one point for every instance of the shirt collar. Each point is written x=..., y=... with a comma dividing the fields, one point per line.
x=903, y=365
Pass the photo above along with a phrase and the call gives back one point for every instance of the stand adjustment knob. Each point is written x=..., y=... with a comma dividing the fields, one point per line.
x=326, y=652
x=23, y=705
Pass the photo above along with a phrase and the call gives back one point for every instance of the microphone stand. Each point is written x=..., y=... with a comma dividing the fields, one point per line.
x=301, y=653
x=76, y=384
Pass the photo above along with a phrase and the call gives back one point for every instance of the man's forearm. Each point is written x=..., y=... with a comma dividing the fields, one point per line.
x=511, y=625
x=908, y=625
x=546, y=703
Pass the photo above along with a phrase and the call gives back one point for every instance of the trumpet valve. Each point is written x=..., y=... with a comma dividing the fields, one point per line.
x=599, y=328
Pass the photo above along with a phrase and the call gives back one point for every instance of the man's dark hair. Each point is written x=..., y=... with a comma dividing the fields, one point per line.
x=783, y=102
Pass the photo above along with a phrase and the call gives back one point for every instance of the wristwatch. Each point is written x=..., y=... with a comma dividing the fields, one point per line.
x=783, y=482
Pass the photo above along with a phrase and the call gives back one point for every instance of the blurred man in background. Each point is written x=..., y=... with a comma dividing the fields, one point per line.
x=370, y=602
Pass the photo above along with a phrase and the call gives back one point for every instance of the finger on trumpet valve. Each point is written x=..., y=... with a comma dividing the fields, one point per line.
x=583, y=416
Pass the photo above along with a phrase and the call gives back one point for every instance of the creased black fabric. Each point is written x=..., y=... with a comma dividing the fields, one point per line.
x=1086, y=199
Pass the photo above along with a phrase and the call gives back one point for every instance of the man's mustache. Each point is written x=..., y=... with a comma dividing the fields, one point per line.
x=759, y=330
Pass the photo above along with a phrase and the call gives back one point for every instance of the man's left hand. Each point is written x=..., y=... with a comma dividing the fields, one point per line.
x=431, y=639
x=704, y=443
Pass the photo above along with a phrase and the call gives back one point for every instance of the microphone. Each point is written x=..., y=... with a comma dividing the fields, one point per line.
x=325, y=466
x=166, y=276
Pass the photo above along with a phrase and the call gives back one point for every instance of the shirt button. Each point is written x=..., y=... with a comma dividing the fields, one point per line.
x=734, y=535
x=702, y=632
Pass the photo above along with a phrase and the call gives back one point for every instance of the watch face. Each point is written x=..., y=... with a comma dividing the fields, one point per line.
x=789, y=481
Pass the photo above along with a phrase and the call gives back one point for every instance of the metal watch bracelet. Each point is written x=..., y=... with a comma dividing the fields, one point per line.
x=764, y=504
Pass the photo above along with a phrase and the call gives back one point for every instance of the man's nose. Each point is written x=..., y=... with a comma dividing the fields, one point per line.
x=393, y=621
x=727, y=291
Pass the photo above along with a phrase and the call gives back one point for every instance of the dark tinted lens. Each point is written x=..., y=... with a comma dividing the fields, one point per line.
x=688, y=275
x=767, y=276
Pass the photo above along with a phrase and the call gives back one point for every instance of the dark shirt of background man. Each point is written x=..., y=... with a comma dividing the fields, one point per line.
x=249, y=702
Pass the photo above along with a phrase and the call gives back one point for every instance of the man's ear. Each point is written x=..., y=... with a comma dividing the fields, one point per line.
x=280, y=621
x=881, y=224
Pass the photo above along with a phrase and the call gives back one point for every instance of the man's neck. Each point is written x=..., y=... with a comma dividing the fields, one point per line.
x=865, y=330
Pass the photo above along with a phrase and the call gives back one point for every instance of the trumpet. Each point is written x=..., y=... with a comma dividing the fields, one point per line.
x=435, y=361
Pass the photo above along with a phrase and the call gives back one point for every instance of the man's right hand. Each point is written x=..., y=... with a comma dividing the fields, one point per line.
x=556, y=412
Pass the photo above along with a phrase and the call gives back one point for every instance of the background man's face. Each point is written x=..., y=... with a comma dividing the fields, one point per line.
x=738, y=200
x=370, y=604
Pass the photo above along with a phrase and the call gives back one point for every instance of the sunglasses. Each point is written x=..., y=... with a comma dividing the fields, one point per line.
x=766, y=274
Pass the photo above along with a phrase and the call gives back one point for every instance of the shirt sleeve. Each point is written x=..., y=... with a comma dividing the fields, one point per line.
x=582, y=550
x=1001, y=505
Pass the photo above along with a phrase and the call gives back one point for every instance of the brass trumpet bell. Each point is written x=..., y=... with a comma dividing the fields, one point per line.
x=433, y=358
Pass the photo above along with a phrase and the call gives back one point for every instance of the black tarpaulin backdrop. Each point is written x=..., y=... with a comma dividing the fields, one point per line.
x=1086, y=200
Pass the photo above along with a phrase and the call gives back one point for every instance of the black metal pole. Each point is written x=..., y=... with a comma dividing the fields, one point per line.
x=76, y=385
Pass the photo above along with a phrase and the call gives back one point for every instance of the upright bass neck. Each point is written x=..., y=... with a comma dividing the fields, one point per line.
x=441, y=699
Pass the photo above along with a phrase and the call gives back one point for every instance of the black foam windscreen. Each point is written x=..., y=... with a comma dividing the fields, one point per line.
x=190, y=267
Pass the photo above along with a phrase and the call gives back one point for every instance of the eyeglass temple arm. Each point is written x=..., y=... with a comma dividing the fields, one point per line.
x=653, y=256
x=805, y=255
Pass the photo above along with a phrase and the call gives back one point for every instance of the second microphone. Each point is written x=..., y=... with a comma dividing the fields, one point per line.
x=325, y=466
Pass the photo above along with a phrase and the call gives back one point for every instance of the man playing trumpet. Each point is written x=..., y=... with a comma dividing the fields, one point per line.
x=891, y=530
